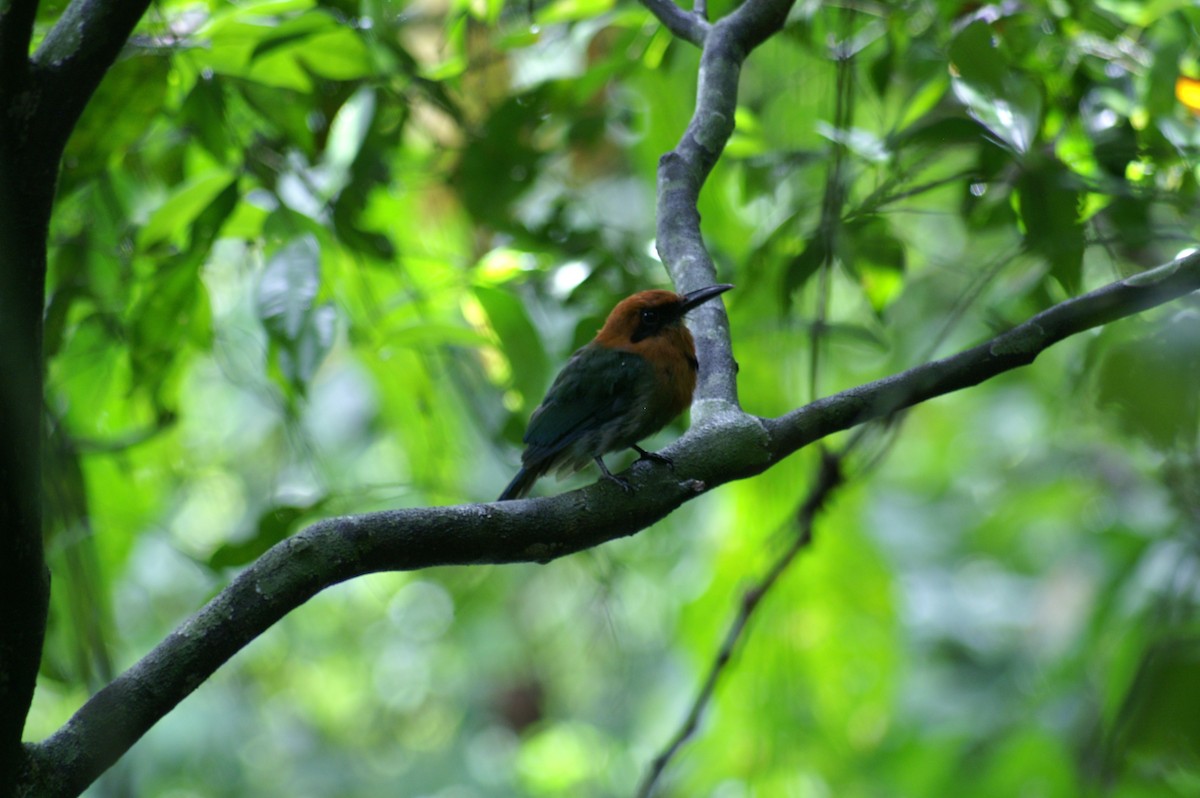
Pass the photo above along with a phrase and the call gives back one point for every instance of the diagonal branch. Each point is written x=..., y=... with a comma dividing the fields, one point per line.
x=728, y=446
x=1017, y=347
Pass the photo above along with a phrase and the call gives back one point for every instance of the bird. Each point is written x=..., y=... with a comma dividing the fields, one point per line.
x=627, y=383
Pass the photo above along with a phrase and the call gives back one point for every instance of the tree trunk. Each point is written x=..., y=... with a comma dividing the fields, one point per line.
x=26, y=194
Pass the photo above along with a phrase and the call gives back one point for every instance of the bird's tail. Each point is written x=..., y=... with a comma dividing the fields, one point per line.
x=520, y=484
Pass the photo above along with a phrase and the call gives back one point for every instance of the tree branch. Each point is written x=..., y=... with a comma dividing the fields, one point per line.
x=683, y=171
x=729, y=446
x=40, y=101
x=1017, y=347
x=25, y=197
x=72, y=59
x=689, y=27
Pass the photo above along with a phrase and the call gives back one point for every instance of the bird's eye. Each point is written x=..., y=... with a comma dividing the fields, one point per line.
x=649, y=316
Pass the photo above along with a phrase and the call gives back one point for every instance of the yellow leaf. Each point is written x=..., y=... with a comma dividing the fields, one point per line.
x=1187, y=90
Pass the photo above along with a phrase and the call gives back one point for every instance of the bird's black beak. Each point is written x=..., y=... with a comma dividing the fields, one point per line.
x=702, y=295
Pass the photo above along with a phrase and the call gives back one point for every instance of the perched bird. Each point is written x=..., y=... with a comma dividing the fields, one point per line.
x=636, y=375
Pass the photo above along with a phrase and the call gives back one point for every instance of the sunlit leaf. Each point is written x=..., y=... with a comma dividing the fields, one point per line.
x=569, y=10
x=173, y=217
x=862, y=143
x=507, y=316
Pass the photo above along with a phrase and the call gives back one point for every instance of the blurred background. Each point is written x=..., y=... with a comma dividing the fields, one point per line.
x=313, y=258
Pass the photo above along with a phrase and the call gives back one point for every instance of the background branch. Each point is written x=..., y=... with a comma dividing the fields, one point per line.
x=829, y=478
x=732, y=446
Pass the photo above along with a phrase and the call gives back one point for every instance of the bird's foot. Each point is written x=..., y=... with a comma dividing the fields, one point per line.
x=624, y=483
x=655, y=456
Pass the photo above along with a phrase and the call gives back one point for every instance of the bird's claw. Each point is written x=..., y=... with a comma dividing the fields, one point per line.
x=625, y=486
x=655, y=456
x=623, y=483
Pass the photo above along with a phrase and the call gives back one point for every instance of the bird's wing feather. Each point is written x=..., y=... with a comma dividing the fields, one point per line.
x=596, y=386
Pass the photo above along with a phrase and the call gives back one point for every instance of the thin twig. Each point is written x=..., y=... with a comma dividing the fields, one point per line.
x=830, y=225
x=828, y=479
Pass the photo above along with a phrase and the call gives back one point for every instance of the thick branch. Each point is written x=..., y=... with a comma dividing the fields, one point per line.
x=683, y=171
x=731, y=446
x=40, y=101
x=25, y=196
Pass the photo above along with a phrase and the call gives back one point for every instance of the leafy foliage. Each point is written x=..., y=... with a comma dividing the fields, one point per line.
x=324, y=257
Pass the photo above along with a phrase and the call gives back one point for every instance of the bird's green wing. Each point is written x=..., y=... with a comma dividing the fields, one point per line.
x=598, y=386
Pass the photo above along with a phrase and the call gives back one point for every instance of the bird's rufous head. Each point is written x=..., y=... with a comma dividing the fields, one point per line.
x=650, y=313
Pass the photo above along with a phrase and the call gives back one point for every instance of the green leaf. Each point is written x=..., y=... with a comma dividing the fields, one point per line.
x=175, y=215
x=976, y=59
x=572, y=10
x=347, y=133
x=123, y=107
x=172, y=308
x=1003, y=100
x=519, y=340
x=870, y=251
x=338, y=55
x=206, y=115
x=424, y=335
x=1149, y=378
x=1159, y=724
x=805, y=265
x=501, y=161
x=291, y=32
x=1050, y=207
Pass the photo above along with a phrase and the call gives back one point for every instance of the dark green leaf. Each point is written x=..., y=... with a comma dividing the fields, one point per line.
x=1005, y=101
x=805, y=265
x=1149, y=377
x=1050, y=207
